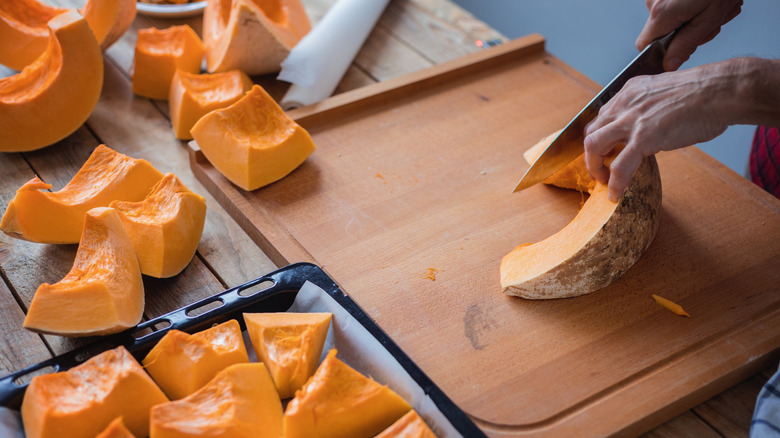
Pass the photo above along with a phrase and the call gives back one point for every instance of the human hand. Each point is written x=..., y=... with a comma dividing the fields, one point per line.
x=661, y=112
x=704, y=19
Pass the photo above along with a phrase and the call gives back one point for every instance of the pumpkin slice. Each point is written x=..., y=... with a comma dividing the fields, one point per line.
x=159, y=53
x=83, y=401
x=58, y=217
x=116, y=429
x=182, y=363
x=253, y=142
x=165, y=227
x=252, y=35
x=289, y=344
x=51, y=97
x=410, y=425
x=103, y=293
x=597, y=246
x=24, y=34
x=194, y=95
x=339, y=401
x=240, y=402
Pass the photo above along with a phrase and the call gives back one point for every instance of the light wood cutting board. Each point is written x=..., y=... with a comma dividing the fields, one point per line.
x=407, y=203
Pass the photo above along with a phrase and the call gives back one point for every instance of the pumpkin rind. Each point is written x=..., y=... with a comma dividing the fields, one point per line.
x=600, y=244
x=240, y=402
x=165, y=227
x=109, y=19
x=41, y=216
x=339, y=401
x=159, y=53
x=289, y=344
x=182, y=363
x=53, y=96
x=102, y=294
x=253, y=142
x=84, y=400
x=251, y=35
x=194, y=95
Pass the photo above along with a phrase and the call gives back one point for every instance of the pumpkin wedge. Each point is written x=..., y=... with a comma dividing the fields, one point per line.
x=116, y=429
x=83, y=401
x=38, y=215
x=24, y=33
x=253, y=142
x=601, y=243
x=410, y=425
x=165, y=227
x=194, y=95
x=159, y=53
x=339, y=401
x=102, y=294
x=289, y=344
x=252, y=35
x=240, y=402
x=182, y=363
x=53, y=96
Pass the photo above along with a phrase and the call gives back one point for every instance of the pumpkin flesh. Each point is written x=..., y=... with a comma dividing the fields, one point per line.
x=290, y=344
x=38, y=215
x=52, y=96
x=410, y=425
x=102, y=294
x=159, y=53
x=165, y=227
x=85, y=399
x=116, y=429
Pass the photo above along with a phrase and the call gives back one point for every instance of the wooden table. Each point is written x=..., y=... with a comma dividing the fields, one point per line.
x=410, y=36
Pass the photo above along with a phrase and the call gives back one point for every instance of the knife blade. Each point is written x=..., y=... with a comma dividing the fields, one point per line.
x=568, y=144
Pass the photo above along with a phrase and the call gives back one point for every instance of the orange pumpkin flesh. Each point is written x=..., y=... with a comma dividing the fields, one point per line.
x=51, y=97
x=597, y=246
x=339, y=401
x=159, y=53
x=165, y=227
x=240, y=401
x=410, y=425
x=182, y=363
x=109, y=19
x=103, y=293
x=252, y=35
x=252, y=142
x=194, y=95
x=58, y=217
x=83, y=401
x=289, y=344
x=116, y=429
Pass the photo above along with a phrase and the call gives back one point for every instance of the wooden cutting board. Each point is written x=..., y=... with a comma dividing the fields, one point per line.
x=407, y=203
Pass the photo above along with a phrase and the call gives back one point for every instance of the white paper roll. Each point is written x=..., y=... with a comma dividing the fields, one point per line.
x=317, y=63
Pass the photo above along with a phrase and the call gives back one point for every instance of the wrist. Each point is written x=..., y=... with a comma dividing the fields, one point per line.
x=756, y=97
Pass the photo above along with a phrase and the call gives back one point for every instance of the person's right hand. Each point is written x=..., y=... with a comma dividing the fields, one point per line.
x=704, y=19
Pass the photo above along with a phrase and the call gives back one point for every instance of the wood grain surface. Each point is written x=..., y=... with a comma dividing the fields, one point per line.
x=411, y=36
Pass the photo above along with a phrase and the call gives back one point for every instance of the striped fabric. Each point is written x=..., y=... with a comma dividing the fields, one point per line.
x=765, y=159
x=766, y=416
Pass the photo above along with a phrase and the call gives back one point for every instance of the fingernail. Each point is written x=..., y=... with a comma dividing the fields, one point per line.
x=673, y=64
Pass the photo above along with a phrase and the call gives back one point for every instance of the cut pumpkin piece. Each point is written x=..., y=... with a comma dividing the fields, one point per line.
x=601, y=243
x=53, y=96
x=102, y=294
x=159, y=53
x=182, y=363
x=194, y=95
x=240, y=402
x=252, y=35
x=253, y=142
x=41, y=216
x=289, y=344
x=410, y=425
x=339, y=401
x=165, y=227
x=116, y=429
x=83, y=401
x=24, y=32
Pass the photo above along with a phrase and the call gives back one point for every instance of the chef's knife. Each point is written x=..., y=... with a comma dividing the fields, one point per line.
x=568, y=145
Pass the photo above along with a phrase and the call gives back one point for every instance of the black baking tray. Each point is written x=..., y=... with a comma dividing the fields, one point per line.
x=274, y=292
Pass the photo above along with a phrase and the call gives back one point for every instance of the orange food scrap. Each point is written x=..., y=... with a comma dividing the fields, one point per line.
x=431, y=274
x=672, y=306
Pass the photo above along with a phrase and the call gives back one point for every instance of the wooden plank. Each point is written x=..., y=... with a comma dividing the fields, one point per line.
x=731, y=411
x=20, y=348
x=684, y=425
x=421, y=179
